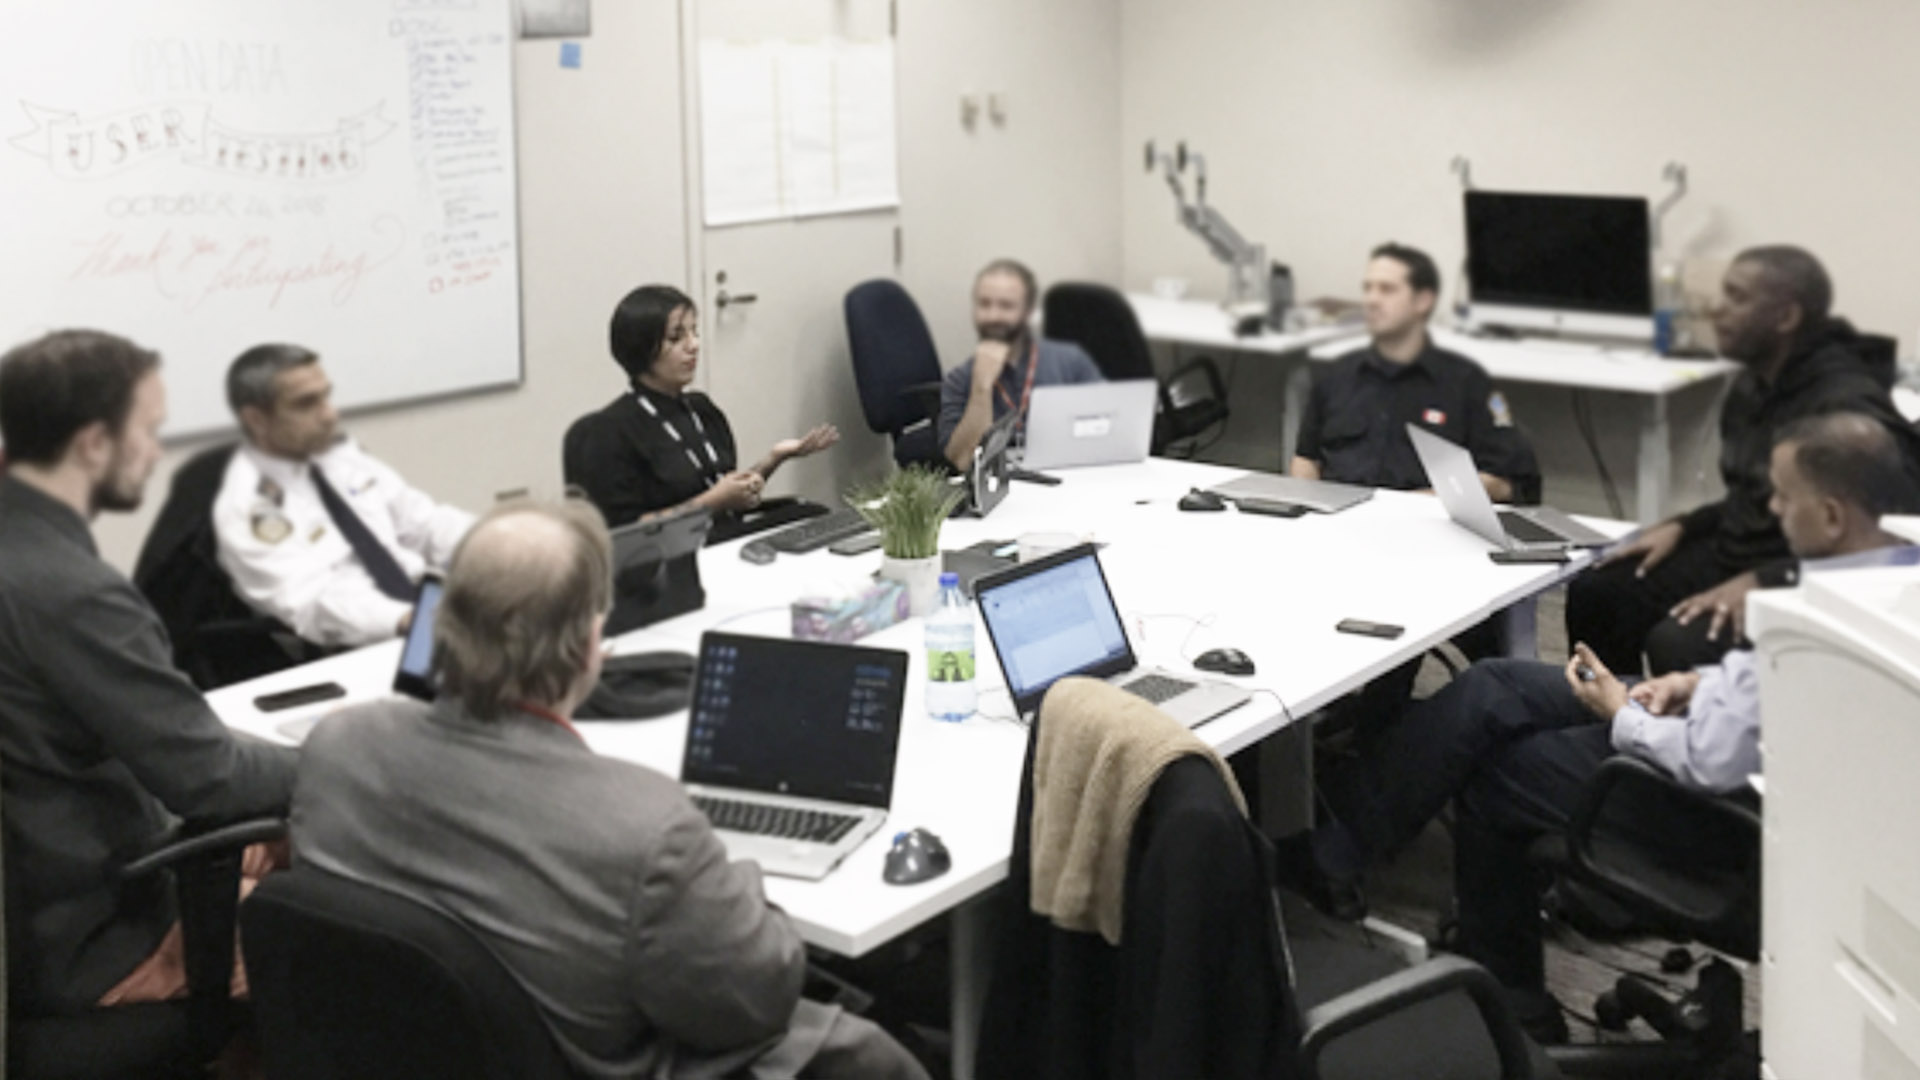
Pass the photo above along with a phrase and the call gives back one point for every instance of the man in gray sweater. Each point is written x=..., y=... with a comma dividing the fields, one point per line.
x=103, y=743
x=596, y=882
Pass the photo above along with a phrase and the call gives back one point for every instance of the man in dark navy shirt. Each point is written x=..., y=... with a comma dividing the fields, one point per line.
x=1354, y=430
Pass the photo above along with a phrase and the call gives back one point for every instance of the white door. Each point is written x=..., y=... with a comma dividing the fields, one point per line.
x=770, y=291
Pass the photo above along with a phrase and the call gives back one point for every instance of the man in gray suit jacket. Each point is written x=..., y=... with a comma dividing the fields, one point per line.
x=595, y=881
x=103, y=742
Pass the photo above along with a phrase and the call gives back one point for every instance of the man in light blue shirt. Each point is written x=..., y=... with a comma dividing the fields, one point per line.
x=1513, y=744
x=1010, y=360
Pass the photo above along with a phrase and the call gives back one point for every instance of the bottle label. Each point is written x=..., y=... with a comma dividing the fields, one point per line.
x=949, y=665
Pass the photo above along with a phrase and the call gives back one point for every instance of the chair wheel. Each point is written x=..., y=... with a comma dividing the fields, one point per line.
x=1677, y=961
x=1610, y=1013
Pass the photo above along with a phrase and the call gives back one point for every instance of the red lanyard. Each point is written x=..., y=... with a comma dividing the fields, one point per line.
x=1033, y=366
x=551, y=717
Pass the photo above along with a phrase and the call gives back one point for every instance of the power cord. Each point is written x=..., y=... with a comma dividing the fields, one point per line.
x=731, y=619
x=1583, y=420
x=1195, y=623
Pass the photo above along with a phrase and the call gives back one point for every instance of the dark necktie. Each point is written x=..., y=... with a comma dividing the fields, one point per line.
x=387, y=575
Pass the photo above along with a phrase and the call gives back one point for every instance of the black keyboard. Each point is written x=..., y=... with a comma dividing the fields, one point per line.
x=1157, y=688
x=786, y=822
x=1526, y=530
x=817, y=532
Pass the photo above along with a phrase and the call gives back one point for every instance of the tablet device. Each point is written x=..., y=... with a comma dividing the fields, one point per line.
x=415, y=676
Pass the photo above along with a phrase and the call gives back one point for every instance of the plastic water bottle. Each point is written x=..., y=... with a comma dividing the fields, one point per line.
x=950, y=693
x=1669, y=299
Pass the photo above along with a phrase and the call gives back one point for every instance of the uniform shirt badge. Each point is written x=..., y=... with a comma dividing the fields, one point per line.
x=271, y=526
x=1497, y=405
x=1434, y=418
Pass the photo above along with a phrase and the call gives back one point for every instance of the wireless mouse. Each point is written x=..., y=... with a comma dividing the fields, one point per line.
x=1224, y=661
x=917, y=855
x=1202, y=500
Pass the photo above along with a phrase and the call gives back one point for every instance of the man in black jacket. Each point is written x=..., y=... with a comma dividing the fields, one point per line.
x=1773, y=317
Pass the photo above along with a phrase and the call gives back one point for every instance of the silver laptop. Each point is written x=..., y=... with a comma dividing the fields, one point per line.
x=791, y=745
x=1054, y=617
x=1104, y=423
x=1455, y=478
x=1323, y=496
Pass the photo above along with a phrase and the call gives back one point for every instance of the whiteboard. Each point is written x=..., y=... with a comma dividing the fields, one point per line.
x=206, y=175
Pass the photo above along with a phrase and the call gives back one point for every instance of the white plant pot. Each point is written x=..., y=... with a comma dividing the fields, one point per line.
x=920, y=576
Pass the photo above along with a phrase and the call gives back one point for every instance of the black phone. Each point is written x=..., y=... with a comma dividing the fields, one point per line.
x=1369, y=629
x=298, y=696
x=1270, y=507
x=1522, y=556
x=1031, y=477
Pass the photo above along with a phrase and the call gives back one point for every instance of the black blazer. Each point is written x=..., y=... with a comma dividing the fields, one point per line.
x=1199, y=985
x=629, y=464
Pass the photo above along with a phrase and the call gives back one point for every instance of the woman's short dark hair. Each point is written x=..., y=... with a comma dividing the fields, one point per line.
x=52, y=387
x=1422, y=274
x=640, y=325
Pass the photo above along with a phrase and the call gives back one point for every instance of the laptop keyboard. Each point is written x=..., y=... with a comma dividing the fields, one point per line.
x=1526, y=530
x=817, y=532
x=1157, y=688
x=784, y=822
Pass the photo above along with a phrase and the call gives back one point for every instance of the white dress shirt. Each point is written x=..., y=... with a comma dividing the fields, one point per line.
x=288, y=560
x=1715, y=744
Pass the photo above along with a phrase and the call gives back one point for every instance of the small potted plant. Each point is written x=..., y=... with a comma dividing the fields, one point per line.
x=906, y=508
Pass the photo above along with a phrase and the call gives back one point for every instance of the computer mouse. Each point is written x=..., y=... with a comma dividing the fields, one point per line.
x=1224, y=661
x=758, y=552
x=917, y=855
x=1202, y=500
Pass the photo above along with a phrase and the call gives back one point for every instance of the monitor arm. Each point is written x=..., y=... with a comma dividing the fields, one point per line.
x=1246, y=261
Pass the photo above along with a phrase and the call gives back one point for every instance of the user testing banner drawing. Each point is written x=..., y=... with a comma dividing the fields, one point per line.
x=206, y=175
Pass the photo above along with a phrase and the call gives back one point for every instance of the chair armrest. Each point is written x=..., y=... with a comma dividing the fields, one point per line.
x=1626, y=780
x=1205, y=366
x=923, y=398
x=1381, y=998
x=198, y=842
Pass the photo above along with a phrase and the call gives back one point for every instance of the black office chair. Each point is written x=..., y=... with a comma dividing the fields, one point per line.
x=1882, y=355
x=895, y=368
x=1193, y=399
x=217, y=638
x=1202, y=982
x=1685, y=865
x=351, y=982
x=158, y=1040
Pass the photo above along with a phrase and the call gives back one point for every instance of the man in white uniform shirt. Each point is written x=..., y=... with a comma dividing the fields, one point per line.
x=313, y=530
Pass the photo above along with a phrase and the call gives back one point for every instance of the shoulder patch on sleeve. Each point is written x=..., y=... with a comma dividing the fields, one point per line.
x=1497, y=405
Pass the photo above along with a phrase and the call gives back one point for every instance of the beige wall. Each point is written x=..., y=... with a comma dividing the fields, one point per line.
x=1329, y=127
x=602, y=208
x=1043, y=188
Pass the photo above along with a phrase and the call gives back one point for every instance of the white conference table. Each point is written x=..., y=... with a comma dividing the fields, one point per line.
x=1184, y=582
x=1652, y=379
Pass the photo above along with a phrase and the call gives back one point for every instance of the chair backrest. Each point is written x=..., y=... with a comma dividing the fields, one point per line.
x=352, y=982
x=1199, y=985
x=892, y=349
x=1098, y=319
x=179, y=568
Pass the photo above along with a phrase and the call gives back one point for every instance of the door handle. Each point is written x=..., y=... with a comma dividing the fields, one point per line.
x=723, y=298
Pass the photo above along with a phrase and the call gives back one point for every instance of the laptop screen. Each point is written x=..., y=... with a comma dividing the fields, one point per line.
x=1053, y=620
x=804, y=718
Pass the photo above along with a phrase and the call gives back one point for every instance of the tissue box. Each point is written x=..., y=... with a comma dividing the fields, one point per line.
x=850, y=618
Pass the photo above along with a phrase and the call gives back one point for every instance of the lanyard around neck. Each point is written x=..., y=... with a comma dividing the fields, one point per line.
x=550, y=717
x=700, y=429
x=1033, y=368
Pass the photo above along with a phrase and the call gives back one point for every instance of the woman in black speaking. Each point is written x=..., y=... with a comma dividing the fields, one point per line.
x=662, y=447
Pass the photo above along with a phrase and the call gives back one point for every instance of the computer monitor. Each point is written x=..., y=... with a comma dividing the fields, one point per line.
x=1577, y=264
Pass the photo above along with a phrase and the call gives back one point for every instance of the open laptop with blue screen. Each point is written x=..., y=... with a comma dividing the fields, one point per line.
x=791, y=745
x=1055, y=617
